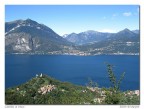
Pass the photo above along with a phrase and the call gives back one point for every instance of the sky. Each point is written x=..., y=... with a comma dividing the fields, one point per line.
x=66, y=19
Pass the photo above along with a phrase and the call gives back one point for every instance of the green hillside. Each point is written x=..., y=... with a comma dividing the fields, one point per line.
x=43, y=89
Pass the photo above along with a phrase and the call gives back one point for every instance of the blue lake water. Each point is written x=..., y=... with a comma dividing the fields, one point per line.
x=74, y=69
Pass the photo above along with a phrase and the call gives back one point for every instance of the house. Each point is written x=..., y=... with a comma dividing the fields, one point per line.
x=45, y=89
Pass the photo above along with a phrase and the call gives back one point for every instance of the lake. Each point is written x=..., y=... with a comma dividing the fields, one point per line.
x=74, y=69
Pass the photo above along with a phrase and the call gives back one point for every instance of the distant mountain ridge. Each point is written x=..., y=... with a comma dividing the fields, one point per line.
x=123, y=42
x=87, y=37
x=28, y=36
x=91, y=36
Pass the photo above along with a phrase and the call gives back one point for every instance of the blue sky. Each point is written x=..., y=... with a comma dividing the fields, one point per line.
x=65, y=19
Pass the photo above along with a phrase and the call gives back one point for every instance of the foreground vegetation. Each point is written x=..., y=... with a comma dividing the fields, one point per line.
x=43, y=89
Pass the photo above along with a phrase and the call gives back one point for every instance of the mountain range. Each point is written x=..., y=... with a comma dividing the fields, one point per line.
x=28, y=36
x=86, y=37
x=91, y=36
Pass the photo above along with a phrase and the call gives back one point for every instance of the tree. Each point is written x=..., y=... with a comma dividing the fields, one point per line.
x=113, y=96
x=112, y=78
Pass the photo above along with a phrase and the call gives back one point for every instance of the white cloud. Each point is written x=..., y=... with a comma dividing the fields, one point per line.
x=104, y=17
x=127, y=14
x=114, y=15
x=108, y=30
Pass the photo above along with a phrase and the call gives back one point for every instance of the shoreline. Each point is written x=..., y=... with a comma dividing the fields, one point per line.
x=134, y=54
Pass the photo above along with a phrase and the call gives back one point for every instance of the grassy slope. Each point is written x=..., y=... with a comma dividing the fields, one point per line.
x=65, y=93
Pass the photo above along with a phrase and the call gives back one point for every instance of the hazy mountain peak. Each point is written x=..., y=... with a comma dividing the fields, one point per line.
x=73, y=33
x=28, y=19
x=29, y=22
x=91, y=31
x=126, y=30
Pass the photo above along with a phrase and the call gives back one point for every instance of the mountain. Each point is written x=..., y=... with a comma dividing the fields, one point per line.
x=28, y=36
x=91, y=36
x=25, y=36
x=125, y=36
x=86, y=37
x=123, y=42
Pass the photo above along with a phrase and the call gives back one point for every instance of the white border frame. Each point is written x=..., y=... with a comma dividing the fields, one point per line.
x=66, y=2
